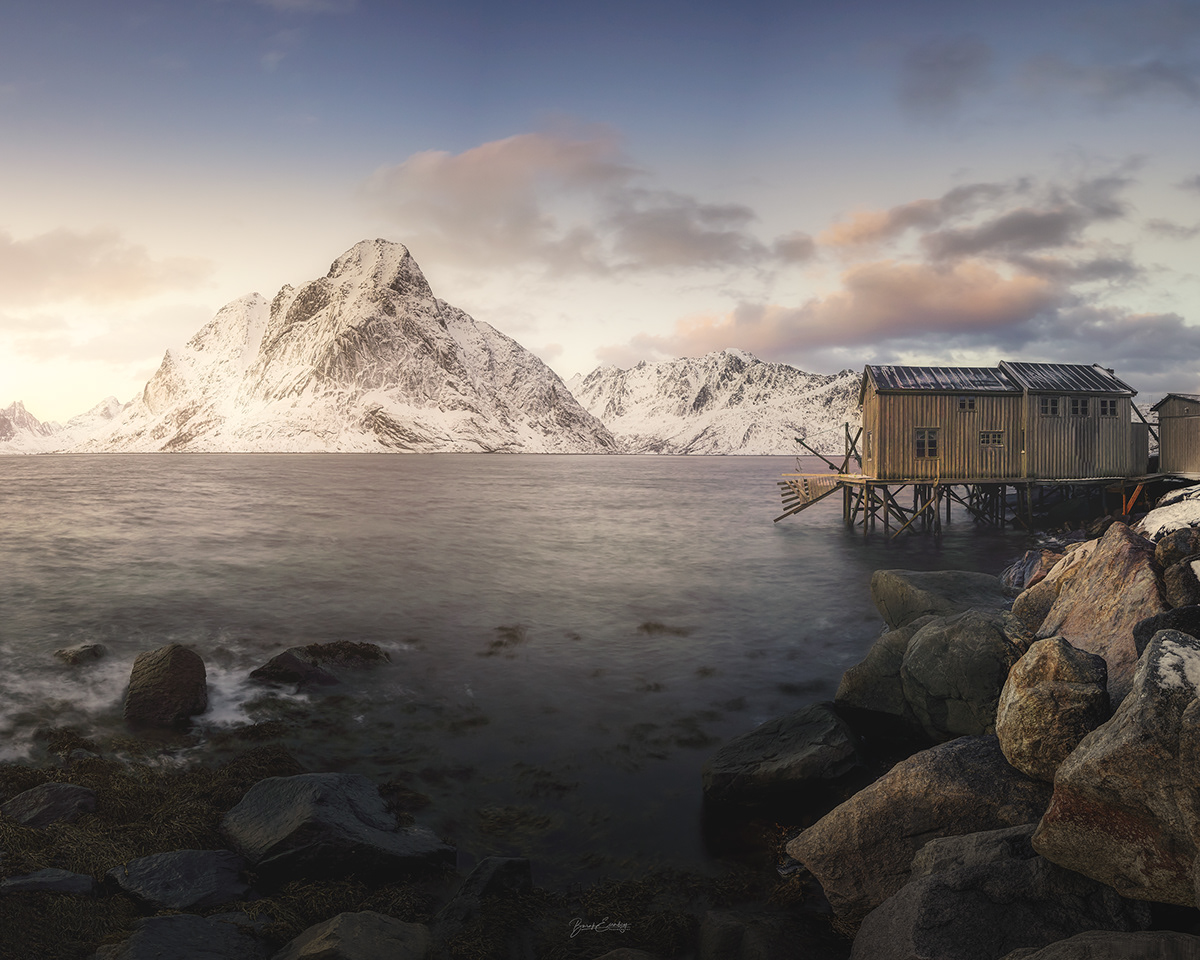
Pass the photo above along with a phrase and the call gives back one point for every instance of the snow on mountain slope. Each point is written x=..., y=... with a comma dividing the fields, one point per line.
x=22, y=432
x=362, y=359
x=727, y=402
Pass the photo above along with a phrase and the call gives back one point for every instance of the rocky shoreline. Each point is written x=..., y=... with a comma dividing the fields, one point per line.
x=1012, y=771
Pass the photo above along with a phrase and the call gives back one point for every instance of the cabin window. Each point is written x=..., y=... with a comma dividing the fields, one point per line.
x=1079, y=406
x=927, y=442
x=991, y=438
x=1049, y=406
x=1108, y=408
x=966, y=403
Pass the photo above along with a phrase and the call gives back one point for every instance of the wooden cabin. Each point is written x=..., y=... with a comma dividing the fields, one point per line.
x=1178, y=433
x=1014, y=421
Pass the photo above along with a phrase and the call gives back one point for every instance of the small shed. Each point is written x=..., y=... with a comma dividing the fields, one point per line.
x=1014, y=421
x=1178, y=433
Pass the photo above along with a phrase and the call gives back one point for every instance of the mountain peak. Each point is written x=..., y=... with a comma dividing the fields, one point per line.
x=381, y=263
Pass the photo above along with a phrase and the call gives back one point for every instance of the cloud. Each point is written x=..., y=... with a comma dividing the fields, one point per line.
x=566, y=205
x=1171, y=230
x=879, y=302
x=98, y=266
x=871, y=227
x=936, y=76
x=1190, y=183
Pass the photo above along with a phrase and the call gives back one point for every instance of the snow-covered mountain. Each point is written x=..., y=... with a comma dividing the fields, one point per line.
x=365, y=358
x=726, y=402
x=22, y=432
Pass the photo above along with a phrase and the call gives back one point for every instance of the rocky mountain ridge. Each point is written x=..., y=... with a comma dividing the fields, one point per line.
x=727, y=402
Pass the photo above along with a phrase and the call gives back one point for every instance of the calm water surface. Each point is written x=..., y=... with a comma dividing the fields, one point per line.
x=570, y=636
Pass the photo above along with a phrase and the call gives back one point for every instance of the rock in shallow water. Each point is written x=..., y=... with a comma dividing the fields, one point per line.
x=183, y=879
x=167, y=686
x=317, y=664
x=901, y=596
x=49, y=803
x=790, y=758
x=326, y=824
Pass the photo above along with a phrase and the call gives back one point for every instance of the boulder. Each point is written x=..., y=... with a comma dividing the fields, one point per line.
x=1054, y=696
x=318, y=664
x=874, y=683
x=1032, y=606
x=1176, y=510
x=1105, y=945
x=80, y=653
x=1030, y=569
x=1184, y=619
x=49, y=803
x=980, y=896
x=50, y=880
x=166, y=687
x=901, y=596
x=1093, y=616
x=183, y=879
x=326, y=824
x=184, y=936
x=1174, y=546
x=1181, y=586
x=804, y=755
x=492, y=877
x=861, y=851
x=1126, y=801
x=359, y=936
x=953, y=672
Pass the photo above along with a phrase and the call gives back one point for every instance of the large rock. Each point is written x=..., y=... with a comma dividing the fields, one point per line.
x=1097, y=607
x=492, y=878
x=953, y=672
x=1181, y=586
x=319, y=664
x=326, y=824
x=359, y=936
x=49, y=803
x=1032, y=606
x=184, y=936
x=1176, y=510
x=1174, y=546
x=1184, y=619
x=1126, y=801
x=166, y=687
x=1029, y=570
x=901, y=596
x=803, y=755
x=1105, y=945
x=861, y=851
x=978, y=897
x=50, y=880
x=80, y=653
x=874, y=683
x=183, y=879
x=1054, y=696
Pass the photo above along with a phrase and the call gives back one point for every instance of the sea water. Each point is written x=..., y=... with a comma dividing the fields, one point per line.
x=570, y=636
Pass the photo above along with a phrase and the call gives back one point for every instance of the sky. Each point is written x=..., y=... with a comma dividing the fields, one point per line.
x=825, y=185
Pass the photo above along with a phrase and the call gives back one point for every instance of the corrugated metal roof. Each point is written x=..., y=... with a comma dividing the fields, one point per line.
x=1065, y=378
x=1193, y=397
x=948, y=379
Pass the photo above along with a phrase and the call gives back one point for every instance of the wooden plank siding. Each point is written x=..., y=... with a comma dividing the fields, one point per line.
x=1068, y=446
x=1006, y=433
x=1178, y=435
x=890, y=422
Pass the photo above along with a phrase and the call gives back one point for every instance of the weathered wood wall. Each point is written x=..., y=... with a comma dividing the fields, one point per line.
x=1179, y=436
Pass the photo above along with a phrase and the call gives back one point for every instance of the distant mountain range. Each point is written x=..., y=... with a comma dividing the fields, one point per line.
x=366, y=358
